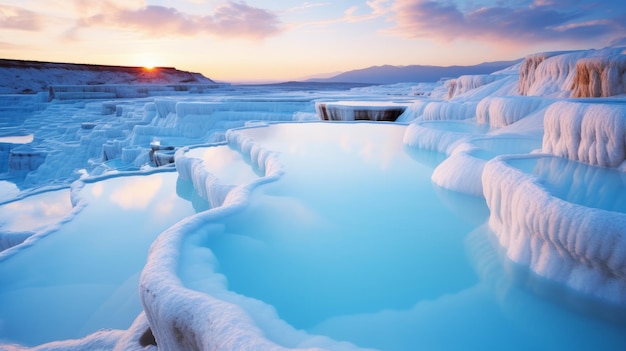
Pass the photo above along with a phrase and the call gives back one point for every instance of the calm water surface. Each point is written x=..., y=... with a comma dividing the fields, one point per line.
x=355, y=243
x=84, y=276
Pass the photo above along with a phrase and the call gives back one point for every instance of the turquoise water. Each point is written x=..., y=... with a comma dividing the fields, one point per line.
x=489, y=148
x=355, y=243
x=35, y=212
x=578, y=182
x=84, y=276
x=457, y=126
x=343, y=231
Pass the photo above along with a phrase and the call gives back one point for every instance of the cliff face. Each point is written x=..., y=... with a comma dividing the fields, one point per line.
x=600, y=77
x=20, y=77
x=576, y=74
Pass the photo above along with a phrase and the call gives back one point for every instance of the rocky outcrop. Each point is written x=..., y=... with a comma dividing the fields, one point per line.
x=358, y=111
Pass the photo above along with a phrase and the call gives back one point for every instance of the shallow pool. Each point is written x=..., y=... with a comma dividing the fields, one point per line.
x=355, y=243
x=489, y=148
x=577, y=182
x=350, y=228
x=84, y=276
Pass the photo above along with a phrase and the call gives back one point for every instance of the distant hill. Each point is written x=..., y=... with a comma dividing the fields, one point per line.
x=18, y=77
x=415, y=73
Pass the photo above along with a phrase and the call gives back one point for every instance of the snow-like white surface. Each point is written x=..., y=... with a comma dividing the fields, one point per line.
x=556, y=74
x=530, y=222
x=502, y=111
x=464, y=84
x=462, y=170
x=586, y=131
x=477, y=122
x=449, y=110
x=441, y=136
x=582, y=247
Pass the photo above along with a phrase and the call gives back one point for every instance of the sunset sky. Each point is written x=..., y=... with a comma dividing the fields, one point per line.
x=269, y=40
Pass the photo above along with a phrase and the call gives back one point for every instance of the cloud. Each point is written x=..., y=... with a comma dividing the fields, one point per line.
x=379, y=7
x=539, y=21
x=12, y=17
x=306, y=6
x=231, y=19
x=239, y=19
x=352, y=14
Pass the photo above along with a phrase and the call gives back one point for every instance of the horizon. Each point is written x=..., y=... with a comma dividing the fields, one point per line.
x=263, y=42
x=310, y=79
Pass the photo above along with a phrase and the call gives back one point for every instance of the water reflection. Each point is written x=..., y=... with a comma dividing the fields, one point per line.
x=36, y=211
x=375, y=146
x=489, y=148
x=353, y=226
x=577, y=182
x=84, y=277
x=136, y=194
x=543, y=314
x=365, y=250
x=457, y=126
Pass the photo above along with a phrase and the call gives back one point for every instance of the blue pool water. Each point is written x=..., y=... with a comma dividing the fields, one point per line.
x=343, y=231
x=84, y=276
x=35, y=212
x=355, y=243
x=578, y=182
x=489, y=148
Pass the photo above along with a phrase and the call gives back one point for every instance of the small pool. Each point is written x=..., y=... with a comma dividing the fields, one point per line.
x=489, y=148
x=577, y=182
x=83, y=277
x=457, y=126
x=17, y=139
x=340, y=229
x=354, y=243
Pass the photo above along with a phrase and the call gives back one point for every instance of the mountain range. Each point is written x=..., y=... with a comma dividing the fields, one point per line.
x=414, y=73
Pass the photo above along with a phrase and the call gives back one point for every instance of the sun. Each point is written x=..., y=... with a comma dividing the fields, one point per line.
x=147, y=61
x=148, y=64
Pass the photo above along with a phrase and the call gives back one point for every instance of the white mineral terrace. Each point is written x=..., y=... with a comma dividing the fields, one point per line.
x=205, y=202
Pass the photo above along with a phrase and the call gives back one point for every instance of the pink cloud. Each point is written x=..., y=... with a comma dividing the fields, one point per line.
x=533, y=22
x=239, y=19
x=12, y=17
x=232, y=19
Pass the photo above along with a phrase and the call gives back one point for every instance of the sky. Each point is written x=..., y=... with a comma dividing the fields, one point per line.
x=269, y=40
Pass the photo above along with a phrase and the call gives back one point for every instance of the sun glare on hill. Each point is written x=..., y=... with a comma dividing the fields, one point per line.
x=147, y=61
